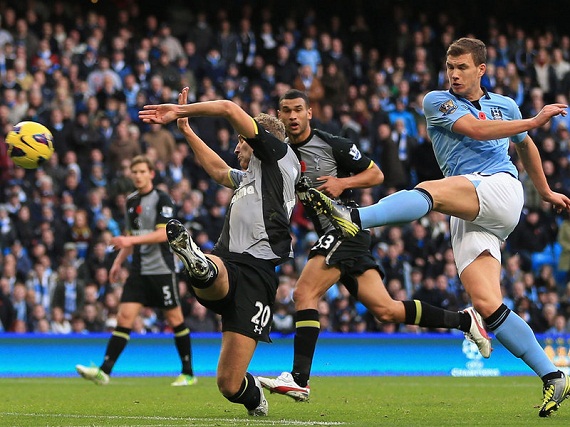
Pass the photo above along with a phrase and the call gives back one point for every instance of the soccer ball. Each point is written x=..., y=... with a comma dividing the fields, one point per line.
x=30, y=144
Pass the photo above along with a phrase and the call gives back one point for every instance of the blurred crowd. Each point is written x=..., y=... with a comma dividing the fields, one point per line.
x=85, y=71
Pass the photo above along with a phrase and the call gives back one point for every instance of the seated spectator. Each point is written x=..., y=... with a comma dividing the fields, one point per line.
x=92, y=318
x=59, y=324
x=307, y=81
x=23, y=309
x=530, y=235
x=150, y=320
x=123, y=146
x=69, y=293
x=42, y=327
x=429, y=293
x=559, y=326
x=80, y=233
x=25, y=227
x=41, y=281
x=78, y=324
x=7, y=228
x=161, y=140
x=200, y=319
x=39, y=313
x=23, y=261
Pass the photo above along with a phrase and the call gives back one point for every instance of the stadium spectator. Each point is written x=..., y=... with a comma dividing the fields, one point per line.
x=78, y=324
x=200, y=320
x=23, y=309
x=308, y=81
x=91, y=318
x=59, y=324
x=69, y=292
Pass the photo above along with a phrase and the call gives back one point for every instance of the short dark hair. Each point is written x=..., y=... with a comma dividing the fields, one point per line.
x=294, y=94
x=464, y=45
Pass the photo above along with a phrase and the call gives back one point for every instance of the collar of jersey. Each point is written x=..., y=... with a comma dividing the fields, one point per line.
x=298, y=144
x=485, y=93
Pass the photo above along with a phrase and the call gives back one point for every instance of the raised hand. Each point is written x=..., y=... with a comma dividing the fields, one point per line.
x=161, y=113
x=549, y=111
x=182, y=100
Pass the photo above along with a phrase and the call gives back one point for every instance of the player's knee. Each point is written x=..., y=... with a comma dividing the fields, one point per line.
x=174, y=317
x=486, y=307
x=125, y=319
x=304, y=296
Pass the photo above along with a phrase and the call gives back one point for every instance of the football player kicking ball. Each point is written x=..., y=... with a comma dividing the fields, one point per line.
x=337, y=166
x=471, y=129
x=238, y=280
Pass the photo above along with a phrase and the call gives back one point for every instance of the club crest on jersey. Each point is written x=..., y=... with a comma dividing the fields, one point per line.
x=496, y=113
x=448, y=107
x=167, y=211
x=355, y=152
x=317, y=160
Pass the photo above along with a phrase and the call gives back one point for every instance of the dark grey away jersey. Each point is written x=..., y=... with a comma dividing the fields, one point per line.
x=257, y=220
x=325, y=154
x=146, y=213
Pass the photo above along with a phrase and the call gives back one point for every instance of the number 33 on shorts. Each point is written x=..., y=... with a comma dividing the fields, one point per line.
x=325, y=242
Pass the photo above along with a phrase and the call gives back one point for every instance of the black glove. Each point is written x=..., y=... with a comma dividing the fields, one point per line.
x=304, y=184
x=302, y=189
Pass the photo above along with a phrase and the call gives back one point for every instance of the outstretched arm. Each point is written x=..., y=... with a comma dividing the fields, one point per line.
x=212, y=163
x=483, y=130
x=165, y=113
x=531, y=161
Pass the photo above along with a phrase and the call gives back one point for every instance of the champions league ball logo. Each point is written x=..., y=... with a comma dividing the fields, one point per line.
x=474, y=367
x=471, y=351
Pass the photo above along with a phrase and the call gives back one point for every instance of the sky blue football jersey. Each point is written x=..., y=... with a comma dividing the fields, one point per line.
x=458, y=154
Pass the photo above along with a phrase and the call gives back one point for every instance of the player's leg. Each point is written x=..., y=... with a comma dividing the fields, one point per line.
x=453, y=195
x=208, y=275
x=375, y=297
x=183, y=344
x=203, y=271
x=128, y=311
x=316, y=278
x=115, y=346
x=234, y=382
x=246, y=312
x=481, y=281
x=476, y=246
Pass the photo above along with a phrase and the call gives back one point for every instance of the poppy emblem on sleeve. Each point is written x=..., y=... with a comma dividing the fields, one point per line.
x=482, y=115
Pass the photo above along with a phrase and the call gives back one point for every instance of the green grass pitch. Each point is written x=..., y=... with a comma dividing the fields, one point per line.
x=335, y=401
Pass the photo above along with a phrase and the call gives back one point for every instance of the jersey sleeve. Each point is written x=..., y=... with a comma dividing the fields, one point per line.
x=165, y=210
x=266, y=147
x=441, y=109
x=236, y=177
